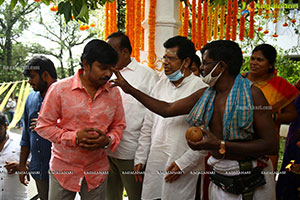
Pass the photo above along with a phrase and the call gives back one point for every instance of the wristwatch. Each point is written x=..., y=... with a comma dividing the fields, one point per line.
x=109, y=143
x=222, y=149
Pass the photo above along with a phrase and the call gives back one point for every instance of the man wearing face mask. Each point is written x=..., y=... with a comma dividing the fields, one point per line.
x=237, y=120
x=162, y=146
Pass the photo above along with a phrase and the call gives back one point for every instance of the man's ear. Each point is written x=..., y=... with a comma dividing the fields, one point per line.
x=85, y=65
x=125, y=51
x=187, y=61
x=45, y=75
x=223, y=66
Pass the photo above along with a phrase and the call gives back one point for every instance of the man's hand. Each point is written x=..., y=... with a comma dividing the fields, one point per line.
x=11, y=167
x=120, y=81
x=90, y=133
x=209, y=142
x=174, y=173
x=33, y=123
x=92, y=139
x=24, y=175
x=137, y=172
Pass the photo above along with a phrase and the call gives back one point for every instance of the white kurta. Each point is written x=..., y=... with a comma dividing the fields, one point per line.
x=143, y=78
x=164, y=140
x=10, y=186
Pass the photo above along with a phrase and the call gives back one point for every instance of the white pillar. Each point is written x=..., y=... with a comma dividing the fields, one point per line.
x=166, y=25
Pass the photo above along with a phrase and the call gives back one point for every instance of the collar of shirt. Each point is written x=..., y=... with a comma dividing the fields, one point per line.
x=78, y=84
x=186, y=79
x=131, y=66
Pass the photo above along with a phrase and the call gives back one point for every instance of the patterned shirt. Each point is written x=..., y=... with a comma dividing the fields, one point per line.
x=67, y=109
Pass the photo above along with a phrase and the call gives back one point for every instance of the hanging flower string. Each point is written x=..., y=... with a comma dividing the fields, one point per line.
x=194, y=21
x=242, y=26
x=151, y=37
x=228, y=20
x=234, y=20
x=143, y=31
x=216, y=17
x=186, y=20
x=114, y=16
x=260, y=10
x=137, y=30
x=267, y=10
x=180, y=32
x=222, y=18
x=106, y=21
x=251, y=25
x=276, y=11
x=199, y=23
x=210, y=20
x=205, y=15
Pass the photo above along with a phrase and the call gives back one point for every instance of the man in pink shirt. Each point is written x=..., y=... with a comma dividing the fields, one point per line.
x=82, y=116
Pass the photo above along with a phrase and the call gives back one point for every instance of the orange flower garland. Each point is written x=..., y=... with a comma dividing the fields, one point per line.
x=222, y=18
x=276, y=10
x=109, y=19
x=251, y=25
x=180, y=32
x=114, y=16
x=151, y=37
x=242, y=26
x=137, y=38
x=260, y=10
x=234, y=19
x=210, y=20
x=199, y=23
x=186, y=20
x=143, y=31
x=194, y=21
x=268, y=4
x=106, y=22
x=205, y=15
x=228, y=20
x=216, y=17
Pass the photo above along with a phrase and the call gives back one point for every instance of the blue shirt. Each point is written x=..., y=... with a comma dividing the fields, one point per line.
x=40, y=148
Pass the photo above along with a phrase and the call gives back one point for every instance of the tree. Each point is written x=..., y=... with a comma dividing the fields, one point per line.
x=12, y=24
x=66, y=36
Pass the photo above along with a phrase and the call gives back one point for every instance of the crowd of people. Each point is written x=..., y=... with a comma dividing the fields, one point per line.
x=117, y=125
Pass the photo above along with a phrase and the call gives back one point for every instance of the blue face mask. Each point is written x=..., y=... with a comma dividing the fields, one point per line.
x=175, y=76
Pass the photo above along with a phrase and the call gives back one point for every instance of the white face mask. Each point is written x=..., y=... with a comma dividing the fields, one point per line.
x=209, y=79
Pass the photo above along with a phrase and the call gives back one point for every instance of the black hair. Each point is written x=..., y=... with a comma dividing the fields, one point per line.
x=124, y=40
x=186, y=48
x=2, y=119
x=269, y=53
x=197, y=60
x=226, y=51
x=40, y=64
x=98, y=50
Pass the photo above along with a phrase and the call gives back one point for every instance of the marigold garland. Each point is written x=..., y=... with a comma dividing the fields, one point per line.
x=210, y=20
x=109, y=19
x=186, y=20
x=276, y=10
x=137, y=37
x=260, y=10
x=143, y=31
x=216, y=17
x=180, y=32
x=267, y=10
x=194, y=21
x=199, y=26
x=222, y=18
x=242, y=26
x=151, y=37
x=114, y=16
x=205, y=15
x=106, y=30
x=251, y=25
x=228, y=20
x=234, y=19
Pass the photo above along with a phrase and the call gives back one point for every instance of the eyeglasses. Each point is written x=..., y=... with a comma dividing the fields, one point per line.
x=169, y=59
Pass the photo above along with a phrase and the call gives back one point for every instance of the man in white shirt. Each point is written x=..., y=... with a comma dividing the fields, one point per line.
x=10, y=186
x=122, y=159
x=172, y=168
